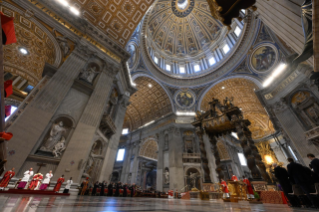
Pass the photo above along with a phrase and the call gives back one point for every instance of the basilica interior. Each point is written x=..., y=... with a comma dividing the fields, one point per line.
x=169, y=95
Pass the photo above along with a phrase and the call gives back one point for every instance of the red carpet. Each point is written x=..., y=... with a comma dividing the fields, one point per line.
x=20, y=191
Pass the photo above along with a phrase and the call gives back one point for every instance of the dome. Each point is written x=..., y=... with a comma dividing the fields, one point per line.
x=184, y=39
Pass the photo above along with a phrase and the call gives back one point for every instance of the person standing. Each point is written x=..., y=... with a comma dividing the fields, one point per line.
x=298, y=174
x=95, y=187
x=124, y=190
x=58, y=184
x=110, y=190
x=6, y=179
x=68, y=186
x=46, y=181
x=117, y=189
x=250, y=191
x=314, y=164
x=25, y=179
x=85, y=186
x=102, y=185
x=225, y=189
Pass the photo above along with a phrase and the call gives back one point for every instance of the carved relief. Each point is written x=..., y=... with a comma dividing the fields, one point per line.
x=88, y=74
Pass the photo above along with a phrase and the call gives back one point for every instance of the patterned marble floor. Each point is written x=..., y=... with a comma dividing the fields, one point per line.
x=29, y=203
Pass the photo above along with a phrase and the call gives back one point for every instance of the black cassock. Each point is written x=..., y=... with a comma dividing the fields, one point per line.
x=102, y=185
x=124, y=191
x=110, y=190
x=117, y=190
x=96, y=185
x=132, y=190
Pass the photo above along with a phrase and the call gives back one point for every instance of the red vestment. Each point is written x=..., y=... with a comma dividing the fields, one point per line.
x=234, y=178
x=58, y=184
x=249, y=187
x=35, y=181
x=6, y=178
x=225, y=188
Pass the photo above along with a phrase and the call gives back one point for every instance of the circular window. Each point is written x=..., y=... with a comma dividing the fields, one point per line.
x=182, y=4
x=182, y=8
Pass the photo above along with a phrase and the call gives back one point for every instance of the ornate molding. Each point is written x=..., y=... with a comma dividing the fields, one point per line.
x=280, y=106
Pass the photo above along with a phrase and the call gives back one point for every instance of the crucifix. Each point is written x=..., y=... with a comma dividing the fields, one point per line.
x=40, y=166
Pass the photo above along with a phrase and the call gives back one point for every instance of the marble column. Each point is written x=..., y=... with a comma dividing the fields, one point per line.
x=176, y=170
x=126, y=164
x=160, y=162
x=34, y=119
x=82, y=138
x=111, y=152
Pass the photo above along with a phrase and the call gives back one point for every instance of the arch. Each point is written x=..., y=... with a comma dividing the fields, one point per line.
x=243, y=91
x=189, y=169
x=149, y=103
x=149, y=149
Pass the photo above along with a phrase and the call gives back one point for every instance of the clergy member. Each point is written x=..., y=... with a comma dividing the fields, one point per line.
x=68, y=186
x=25, y=178
x=225, y=189
x=58, y=184
x=110, y=190
x=36, y=180
x=46, y=181
x=6, y=179
x=125, y=190
x=102, y=185
x=234, y=178
x=85, y=186
x=250, y=191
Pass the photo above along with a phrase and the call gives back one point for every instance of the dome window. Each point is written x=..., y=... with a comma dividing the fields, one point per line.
x=182, y=70
x=212, y=61
x=156, y=60
x=182, y=4
x=237, y=31
x=196, y=68
x=168, y=67
x=226, y=48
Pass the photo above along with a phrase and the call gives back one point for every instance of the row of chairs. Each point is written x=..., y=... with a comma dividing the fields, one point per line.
x=300, y=199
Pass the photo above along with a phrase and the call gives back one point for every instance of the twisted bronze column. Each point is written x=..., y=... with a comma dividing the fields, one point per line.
x=219, y=168
x=204, y=160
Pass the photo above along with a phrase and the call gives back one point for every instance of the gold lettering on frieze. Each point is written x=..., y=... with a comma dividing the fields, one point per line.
x=75, y=31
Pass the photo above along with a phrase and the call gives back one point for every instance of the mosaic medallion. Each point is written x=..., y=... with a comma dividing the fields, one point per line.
x=264, y=58
x=182, y=8
x=185, y=99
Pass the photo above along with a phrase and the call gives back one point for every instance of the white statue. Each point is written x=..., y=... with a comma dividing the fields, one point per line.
x=59, y=148
x=166, y=175
x=90, y=161
x=89, y=74
x=56, y=134
x=193, y=177
x=64, y=45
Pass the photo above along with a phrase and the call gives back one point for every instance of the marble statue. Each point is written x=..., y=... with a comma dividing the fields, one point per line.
x=56, y=134
x=166, y=176
x=90, y=161
x=193, y=177
x=89, y=74
x=59, y=148
x=64, y=45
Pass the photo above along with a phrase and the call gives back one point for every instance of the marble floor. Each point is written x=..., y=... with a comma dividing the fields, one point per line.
x=29, y=203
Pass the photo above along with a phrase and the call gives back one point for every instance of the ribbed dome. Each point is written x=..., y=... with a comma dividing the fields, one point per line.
x=183, y=28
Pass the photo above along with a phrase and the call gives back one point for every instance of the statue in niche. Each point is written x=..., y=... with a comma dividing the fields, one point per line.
x=56, y=135
x=90, y=161
x=166, y=142
x=64, y=45
x=129, y=178
x=193, y=178
x=59, y=148
x=166, y=176
x=89, y=74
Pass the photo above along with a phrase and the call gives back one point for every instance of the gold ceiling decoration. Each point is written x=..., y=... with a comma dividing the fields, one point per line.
x=245, y=98
x=225, y=11
x=149, y=103
x=117, y=18
x=149, y=149
x=39, y=46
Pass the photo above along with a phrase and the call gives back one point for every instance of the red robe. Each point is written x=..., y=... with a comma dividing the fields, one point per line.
x=6, y=178
x=35, y=181
x=225, y=188
x=249, y=187
x=234, y=178
x=58, y=184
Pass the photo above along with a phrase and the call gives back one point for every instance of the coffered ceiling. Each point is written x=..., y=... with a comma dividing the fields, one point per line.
x=149, y=103
x=117, y=18
x=243, y=91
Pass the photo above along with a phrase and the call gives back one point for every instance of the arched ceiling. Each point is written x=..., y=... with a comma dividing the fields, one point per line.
x=183, y=32
x=243, y=91
x=117, y=18
x=40, y=47
x=149, y=103
x=149, y=149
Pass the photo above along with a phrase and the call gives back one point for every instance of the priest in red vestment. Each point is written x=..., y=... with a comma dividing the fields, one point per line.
x=225, y=188
x=6, y=179
x=58, y=184
x=250, y=191
x=35, y=183
x=234, y=178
